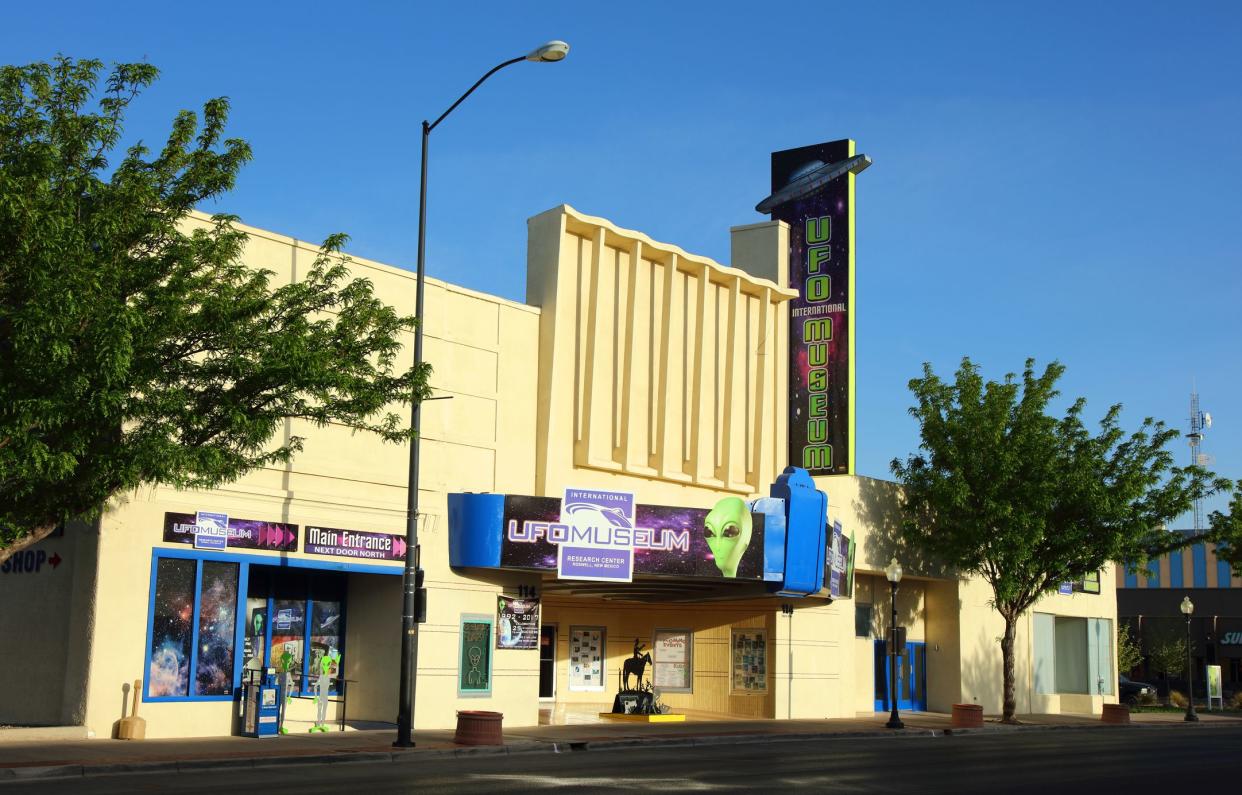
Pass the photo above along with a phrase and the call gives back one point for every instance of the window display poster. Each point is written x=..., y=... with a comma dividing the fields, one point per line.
x=671, y=659
x=474, y=671
x=517, y=623
x=750, y=660
x=253, y=650
x=586, y=658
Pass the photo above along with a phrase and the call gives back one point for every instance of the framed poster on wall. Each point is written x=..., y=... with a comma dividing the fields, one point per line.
x=670, y=660
x=749, y=648
x=586, y=658
x=474, y=667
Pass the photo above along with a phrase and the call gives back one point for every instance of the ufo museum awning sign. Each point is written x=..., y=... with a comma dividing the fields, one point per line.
x=813, y=191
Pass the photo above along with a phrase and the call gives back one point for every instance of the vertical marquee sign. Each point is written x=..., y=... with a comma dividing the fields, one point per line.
x=813, y=191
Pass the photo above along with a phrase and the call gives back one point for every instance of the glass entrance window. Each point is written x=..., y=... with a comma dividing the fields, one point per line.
x=547, y=662
x=294, y=619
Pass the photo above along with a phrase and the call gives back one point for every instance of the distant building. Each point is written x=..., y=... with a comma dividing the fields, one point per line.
x=1148, y=601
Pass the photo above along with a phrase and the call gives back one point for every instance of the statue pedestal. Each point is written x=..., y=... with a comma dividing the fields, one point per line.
x=632, y=702
x=667, y=717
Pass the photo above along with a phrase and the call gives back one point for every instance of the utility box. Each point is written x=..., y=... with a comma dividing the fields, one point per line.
x=260, y=703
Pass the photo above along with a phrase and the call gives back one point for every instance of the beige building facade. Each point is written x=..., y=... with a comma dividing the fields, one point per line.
x=634, y=367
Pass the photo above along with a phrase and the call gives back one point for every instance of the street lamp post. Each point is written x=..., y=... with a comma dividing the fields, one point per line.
x=412, y=578
x=893, y=573
x=1188, y=607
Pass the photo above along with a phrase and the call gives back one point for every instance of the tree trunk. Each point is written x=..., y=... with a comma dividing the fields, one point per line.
x=24, y=541
x=1010, y=702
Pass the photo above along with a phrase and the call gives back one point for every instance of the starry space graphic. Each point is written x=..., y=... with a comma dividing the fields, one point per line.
x=168, y=670
x=697, y=562
x=217, y=621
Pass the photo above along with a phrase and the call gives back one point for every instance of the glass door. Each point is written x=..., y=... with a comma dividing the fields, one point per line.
x=547, y=662
x=911, y=677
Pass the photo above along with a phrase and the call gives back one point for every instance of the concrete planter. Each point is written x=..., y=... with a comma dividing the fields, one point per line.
x=967, y=716
x=476, y=727
x=1115, y=713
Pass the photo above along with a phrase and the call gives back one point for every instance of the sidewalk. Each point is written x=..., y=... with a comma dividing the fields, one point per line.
x=61, y=759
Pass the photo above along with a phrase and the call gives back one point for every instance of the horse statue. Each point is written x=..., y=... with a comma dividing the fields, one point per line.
x=635, y=665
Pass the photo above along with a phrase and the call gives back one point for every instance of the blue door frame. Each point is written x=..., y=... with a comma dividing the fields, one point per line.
x=911, y=677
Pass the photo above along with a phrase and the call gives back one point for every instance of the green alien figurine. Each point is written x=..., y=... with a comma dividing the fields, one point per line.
x=728, y=527
x=328, y=664
x=285, y=665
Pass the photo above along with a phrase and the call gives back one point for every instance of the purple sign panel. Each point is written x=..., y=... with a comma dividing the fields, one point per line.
x=723, y=542
x=838, y=561
x=598, y=536
x=182, y=528
x=354, y=544
x=819, y=269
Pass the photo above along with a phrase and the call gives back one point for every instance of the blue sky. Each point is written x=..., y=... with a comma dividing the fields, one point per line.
x=1057, y=180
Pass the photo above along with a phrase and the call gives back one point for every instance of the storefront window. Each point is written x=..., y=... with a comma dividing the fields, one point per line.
x=217, y=626
x=671, y=663
x=474, y=669
x=168, y=669
x=291, y=619
x=750, y=660
x=288, y=635
x=325, y=634
x=862, y=620
x=255, y=651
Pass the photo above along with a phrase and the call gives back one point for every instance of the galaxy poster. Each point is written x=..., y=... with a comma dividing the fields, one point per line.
x=820, y=235
x=723, y=542
x=168, y=669
x=217, y=624
x=180, y=528
x=517, y=623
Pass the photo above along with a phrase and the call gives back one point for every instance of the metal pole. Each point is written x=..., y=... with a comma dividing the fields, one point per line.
x=1190, y=679
x=409, y=579
x=894, y=721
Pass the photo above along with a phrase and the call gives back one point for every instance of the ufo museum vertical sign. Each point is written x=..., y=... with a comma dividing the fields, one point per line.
x=813, y=191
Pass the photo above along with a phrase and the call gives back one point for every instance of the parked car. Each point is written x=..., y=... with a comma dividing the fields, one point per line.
x=1129, y=692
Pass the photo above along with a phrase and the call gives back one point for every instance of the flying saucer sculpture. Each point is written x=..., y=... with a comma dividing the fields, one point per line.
x=810, y=178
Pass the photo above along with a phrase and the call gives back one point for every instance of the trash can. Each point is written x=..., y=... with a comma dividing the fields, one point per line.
x=477, y=727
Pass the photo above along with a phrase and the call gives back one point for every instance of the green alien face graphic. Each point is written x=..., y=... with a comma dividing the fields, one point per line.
x=728, y=528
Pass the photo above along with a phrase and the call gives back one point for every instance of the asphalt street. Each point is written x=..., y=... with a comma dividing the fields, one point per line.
x=1098, y=761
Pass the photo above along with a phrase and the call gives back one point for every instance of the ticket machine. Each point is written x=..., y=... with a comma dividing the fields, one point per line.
x=260, y=703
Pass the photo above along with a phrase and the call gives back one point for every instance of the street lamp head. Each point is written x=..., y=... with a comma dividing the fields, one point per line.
x=551, y=52
x=1188, y=606
x=893, y=571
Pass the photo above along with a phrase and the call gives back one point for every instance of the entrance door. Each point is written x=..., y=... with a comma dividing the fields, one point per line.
x=547, y=662
x=911, y=677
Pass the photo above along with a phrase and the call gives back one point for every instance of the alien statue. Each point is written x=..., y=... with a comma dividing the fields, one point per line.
x=728, y=528
x=328, y=665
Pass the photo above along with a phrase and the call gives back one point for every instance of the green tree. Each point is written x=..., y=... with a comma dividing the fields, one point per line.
x=1227, y=531
x=1026, y=500
x=1129, y=653
x=1166, y=653
x=135, y=351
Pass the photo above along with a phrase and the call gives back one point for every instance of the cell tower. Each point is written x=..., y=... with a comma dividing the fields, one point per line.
x=1200, y=421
